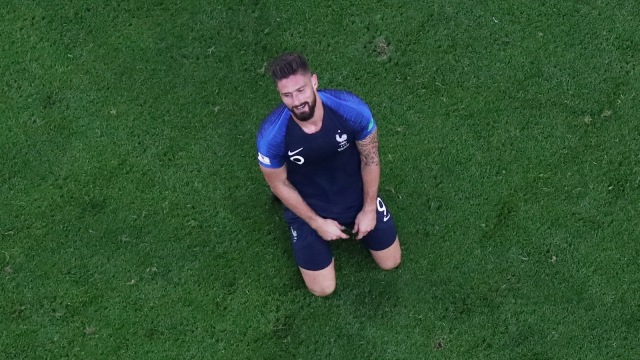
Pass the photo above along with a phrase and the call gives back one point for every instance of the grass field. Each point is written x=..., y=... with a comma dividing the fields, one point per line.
x=135, y=223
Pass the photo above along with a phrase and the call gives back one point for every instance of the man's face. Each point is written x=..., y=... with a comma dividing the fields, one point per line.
x=298, y=93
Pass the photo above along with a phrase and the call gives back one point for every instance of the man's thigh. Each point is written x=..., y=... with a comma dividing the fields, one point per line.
x=314, y=258
x=384, y=234
x=311, y=252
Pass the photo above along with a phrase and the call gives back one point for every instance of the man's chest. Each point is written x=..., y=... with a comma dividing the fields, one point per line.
x=332, y=141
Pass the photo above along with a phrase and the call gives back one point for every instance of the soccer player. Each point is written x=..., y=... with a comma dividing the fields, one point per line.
x=318, y=151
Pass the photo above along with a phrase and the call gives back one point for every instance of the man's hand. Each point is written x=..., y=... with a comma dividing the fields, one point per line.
x=329, y=229
x=365, y=222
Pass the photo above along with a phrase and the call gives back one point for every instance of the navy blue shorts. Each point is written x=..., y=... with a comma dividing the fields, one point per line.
x=312, y=252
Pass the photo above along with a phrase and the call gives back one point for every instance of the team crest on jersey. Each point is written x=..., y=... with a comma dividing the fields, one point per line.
x=342, y=141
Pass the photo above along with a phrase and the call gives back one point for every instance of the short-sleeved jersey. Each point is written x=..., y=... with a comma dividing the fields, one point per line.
x=324, y=166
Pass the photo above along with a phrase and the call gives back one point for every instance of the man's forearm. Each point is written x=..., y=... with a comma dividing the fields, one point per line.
x=370, y=182
x=290, y=197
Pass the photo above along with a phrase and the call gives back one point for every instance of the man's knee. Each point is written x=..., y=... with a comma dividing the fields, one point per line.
x=322, y=290
x=391, y=263
x=320, y=282
x=390, y=258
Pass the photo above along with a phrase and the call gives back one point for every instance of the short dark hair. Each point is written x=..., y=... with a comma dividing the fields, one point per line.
x=288, y=64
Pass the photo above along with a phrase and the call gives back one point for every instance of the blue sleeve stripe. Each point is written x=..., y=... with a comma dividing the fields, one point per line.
x=271, y=166
x=270, y=139
x=370, y=129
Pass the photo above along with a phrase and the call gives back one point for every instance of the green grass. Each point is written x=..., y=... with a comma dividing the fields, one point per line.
x=134, y=222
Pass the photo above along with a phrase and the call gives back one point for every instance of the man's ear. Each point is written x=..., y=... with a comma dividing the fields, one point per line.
x=314, y=81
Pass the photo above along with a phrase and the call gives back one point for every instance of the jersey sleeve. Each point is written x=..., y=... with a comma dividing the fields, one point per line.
x=354, y=110
x=270, y=139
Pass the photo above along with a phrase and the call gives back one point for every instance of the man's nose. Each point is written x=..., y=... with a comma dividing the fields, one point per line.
x=297, y=100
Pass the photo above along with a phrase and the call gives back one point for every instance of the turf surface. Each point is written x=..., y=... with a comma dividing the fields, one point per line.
x=134, y=222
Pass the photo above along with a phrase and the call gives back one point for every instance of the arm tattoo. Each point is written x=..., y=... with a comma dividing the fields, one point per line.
x=369, y=149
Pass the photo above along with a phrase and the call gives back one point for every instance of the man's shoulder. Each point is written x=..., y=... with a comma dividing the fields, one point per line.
x=346, y=103
x=275, y=123
x=340, y=99
x=270, y=137
x=352, y=108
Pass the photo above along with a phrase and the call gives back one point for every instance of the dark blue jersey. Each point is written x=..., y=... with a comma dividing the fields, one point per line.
x=324, y=166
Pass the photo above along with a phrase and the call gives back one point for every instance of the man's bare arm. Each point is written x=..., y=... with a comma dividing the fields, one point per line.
x=277, y=179
x=370, y=167
x=287, y=193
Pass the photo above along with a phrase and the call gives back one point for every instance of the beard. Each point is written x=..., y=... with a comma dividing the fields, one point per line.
x=305, y=115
